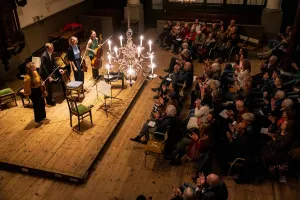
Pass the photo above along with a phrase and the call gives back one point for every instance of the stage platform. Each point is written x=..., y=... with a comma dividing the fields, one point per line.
x=55, y=149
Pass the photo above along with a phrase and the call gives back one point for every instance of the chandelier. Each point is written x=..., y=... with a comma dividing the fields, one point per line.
x=130, y=58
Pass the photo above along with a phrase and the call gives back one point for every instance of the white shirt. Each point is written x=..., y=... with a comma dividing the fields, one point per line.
x=49, y=55
x=202, y=111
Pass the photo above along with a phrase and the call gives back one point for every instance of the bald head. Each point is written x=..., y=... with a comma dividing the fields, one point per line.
x=213, y=180
x=187, y=66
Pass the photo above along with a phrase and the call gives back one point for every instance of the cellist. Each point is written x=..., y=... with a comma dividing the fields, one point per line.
x=92, y=45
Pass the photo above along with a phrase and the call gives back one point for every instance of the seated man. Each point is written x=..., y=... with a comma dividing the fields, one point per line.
x=185, y=56
x=238, y=145
x=185, y=75
x=162, y=122
x=208, y=188
x=270, y=66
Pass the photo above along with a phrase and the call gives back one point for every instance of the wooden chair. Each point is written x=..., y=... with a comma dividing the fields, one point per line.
x=81, y=111
x=72, y=86
x=252, y=44
x=156, y=145
x=243, y=41
x=203, y=158
x=7, y=95
x=237, y=162
x=22, y=96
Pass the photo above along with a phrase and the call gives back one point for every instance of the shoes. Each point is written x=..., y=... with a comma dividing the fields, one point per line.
x=161, y=77
x=175, y=163
x=154, y=89
x=136, y=139
x=52, y=103
x=166, y=70
x=168, y=48
x=38, y=124
x=156, y=97
x=144, y=141
x=168, y=158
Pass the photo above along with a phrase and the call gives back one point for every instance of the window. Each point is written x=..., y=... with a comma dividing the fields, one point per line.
x=256, y=2
x=215, y=1
x=187, y=1
x=238, y=2
x=157, y=4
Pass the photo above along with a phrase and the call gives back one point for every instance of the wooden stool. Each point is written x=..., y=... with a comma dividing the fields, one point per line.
x=7, y=95
x=21, y=93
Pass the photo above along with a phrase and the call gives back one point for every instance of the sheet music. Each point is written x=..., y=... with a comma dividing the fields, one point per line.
x=36, y=61
x=223, y=114
x=104, y=88
x=264, y=130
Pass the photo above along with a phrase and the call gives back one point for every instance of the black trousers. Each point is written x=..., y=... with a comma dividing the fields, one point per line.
x=38, y=104
x=79, y=75
x=95, y=71
x=49, y=99
x=172, y=64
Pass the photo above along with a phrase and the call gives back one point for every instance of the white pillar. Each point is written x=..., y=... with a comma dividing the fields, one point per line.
x=136, y=12
x=271, y=18
x=271, y=4
x=133, y=2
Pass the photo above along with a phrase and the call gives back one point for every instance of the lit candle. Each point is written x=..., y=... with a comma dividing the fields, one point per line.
x=141, y=44
x=107, y=67
x=121, y=38
x=151, y=58
x=109, y=43
x=139, y=51
x=152, y=66
x=109, y=58
x=150, y=43
x=116, y=51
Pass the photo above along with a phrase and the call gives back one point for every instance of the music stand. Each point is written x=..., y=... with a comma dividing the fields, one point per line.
x=109, y=78
x=105, y=89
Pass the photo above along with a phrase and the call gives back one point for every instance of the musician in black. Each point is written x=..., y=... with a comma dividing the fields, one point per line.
x=48, y=65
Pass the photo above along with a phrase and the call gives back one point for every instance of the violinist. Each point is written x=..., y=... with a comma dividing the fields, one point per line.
x=48, y=65
x=74, y=57
x=32, y=88
x=91, y=48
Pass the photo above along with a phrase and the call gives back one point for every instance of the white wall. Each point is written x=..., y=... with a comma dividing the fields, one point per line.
x=43, y=9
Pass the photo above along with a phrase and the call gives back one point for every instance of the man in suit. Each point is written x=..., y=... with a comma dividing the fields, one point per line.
x=211, y=188
x=48, y=64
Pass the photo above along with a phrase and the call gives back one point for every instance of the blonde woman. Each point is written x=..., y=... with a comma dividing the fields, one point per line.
x=74, y=57
x=32, y=88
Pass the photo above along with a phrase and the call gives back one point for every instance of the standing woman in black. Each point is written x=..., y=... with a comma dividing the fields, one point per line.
x=74, y=57
x=32, y=88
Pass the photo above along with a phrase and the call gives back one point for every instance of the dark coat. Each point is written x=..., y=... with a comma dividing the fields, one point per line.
x=215, y=193
x=47, y=65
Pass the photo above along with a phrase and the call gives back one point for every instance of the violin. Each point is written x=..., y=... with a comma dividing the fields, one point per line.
x=97, y=61
x=83, y=65
x=44, y=90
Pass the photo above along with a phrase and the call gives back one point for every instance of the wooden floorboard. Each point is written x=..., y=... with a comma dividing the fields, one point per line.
x=120, y=173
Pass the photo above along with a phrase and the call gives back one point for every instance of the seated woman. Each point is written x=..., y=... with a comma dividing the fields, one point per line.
x=195, y=143
x=172, y=36
x=163, y=36
x=275, y=153
x=160, y=123
x=209, y=43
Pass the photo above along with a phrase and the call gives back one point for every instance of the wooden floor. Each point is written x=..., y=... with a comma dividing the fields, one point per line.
x=120, y=172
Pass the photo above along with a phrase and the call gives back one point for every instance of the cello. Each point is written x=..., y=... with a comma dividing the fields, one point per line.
x=97, y=61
